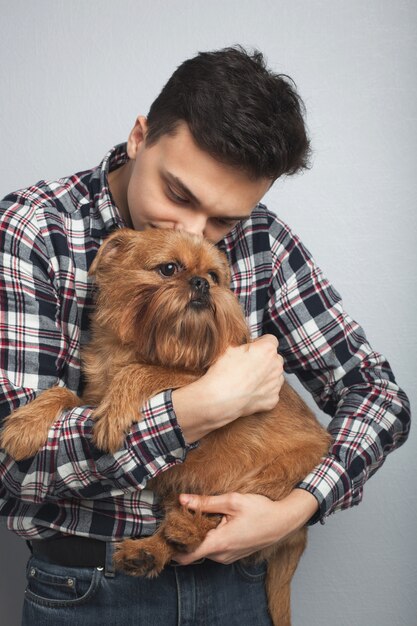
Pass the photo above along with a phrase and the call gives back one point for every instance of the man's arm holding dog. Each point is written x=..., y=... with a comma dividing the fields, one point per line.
x=250, y=522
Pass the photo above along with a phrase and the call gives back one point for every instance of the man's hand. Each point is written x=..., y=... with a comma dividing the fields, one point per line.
x=244, y=380
x=250, y=522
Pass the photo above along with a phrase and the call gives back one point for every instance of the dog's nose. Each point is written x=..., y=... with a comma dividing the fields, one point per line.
x=200, y=284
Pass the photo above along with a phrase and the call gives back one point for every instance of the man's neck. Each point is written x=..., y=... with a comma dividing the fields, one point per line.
x=118, y=181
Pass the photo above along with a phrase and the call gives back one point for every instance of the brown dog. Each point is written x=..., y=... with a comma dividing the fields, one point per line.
x=164, y=314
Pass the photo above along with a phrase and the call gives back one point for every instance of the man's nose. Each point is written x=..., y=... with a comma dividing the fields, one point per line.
x=195, y=224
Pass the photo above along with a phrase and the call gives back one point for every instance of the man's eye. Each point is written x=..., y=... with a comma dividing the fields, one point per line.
x=176, y=198
x=225, y=222
x=168, y=269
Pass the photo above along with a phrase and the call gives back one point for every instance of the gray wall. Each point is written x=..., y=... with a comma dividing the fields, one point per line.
x=75, y=74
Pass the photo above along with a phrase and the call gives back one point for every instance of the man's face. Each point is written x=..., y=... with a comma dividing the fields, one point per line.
x=174, y=184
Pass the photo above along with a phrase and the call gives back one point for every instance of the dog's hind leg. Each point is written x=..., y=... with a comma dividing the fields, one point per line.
x=181, y=531
x=185, y=530
x=143, y=557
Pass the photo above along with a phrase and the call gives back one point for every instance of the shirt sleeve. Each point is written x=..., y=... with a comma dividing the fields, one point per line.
x=36, y=346
x=329, y=353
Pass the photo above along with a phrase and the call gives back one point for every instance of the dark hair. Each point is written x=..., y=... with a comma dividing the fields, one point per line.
x=237, y=110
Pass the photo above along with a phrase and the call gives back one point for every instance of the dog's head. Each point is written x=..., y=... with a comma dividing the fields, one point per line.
x=166, y=294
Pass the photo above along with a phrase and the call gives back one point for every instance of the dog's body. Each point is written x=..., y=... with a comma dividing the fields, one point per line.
x=153, y=330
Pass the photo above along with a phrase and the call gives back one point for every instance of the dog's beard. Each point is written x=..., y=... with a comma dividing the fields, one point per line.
x=171, y=330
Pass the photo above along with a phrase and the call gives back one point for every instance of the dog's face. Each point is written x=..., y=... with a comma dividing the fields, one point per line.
x=166, y=295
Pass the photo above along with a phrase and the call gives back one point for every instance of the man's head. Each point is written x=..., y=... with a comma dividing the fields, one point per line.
x=237, y=110
x=220, y=132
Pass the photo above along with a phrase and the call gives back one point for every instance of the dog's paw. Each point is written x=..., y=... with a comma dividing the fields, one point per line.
x=137, y=557
x=26, y=430
x=16, y=442
x=112, y=423
x=21, y=436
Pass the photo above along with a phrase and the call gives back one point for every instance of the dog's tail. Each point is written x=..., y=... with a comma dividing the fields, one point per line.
x=281, y=567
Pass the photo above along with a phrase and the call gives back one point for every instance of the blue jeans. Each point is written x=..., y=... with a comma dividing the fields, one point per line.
x=203, y=594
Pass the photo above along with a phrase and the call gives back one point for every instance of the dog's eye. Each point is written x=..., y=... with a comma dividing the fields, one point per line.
x=214, y=277
x=168, y=269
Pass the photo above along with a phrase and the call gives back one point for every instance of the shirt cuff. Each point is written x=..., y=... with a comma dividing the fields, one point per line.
x=158, y=434
x=330, y=484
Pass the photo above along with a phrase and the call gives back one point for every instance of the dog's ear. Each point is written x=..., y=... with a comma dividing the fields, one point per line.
x=116, y=242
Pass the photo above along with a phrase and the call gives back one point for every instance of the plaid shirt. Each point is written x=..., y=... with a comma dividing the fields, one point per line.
x=49, y=234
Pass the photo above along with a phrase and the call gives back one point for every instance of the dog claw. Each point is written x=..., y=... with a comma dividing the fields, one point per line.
x=141, y=565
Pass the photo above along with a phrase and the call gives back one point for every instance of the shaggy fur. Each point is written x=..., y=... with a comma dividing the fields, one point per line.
x=164, y=314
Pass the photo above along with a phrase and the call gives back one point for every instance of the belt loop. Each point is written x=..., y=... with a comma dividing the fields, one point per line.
x=109, y=565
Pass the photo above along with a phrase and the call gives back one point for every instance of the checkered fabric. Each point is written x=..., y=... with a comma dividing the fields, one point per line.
x=49, y=235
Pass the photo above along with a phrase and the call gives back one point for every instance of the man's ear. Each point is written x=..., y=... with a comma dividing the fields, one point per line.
x=137, y=136
x=116, y=242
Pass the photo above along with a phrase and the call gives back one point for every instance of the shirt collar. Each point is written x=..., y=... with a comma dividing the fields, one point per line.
x=105, y=207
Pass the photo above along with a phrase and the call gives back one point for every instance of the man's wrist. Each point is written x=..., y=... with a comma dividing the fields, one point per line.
x=191, y=414
x=307, y=504
x=300, y=507
x=200, y=408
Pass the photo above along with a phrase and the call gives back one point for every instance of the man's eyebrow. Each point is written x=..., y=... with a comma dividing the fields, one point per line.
x=184, y=189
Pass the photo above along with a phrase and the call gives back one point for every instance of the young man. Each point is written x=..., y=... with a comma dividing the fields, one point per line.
x=221, y=131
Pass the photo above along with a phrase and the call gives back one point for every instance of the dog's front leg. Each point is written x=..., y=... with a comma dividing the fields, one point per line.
x=128, y=391
x=26, y=429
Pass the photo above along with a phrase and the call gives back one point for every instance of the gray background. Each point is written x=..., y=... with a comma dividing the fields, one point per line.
x=75, y=74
